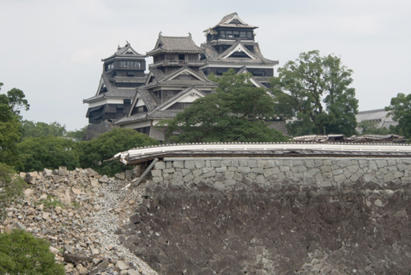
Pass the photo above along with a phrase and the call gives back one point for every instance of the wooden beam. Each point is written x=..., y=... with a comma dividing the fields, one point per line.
x=140, y=179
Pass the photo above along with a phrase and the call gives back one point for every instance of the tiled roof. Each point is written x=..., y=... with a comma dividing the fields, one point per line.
x=227, y=22
x=214, y=57
x=148, y=98
x=126, y=51
x=175, y=44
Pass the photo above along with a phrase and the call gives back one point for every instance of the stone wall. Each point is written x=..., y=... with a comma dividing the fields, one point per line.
x=274, y=216
x=238, y=173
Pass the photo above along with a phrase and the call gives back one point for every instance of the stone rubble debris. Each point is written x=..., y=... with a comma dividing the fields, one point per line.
x=78, y=212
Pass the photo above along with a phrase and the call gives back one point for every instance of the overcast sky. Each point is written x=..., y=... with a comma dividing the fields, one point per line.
x=52, y=49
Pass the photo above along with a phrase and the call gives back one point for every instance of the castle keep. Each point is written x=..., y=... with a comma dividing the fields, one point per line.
x=130, y=98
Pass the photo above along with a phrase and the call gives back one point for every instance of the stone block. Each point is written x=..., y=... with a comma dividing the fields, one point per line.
x=226, y=162
x=228, y=175
x=178, y=176
x=200, y=163
x=229, y=182
x=262, y=163
x=381, y=163
x=251, y=175
x=261, y=179
x=235, y=163
x=129, y=174
x=120, y=176
x=243, y=162
x=309, y=163
x=63, y=171
x=244, y=169
x=158, y=179
x=216, y=163
x=189, y=164
x=198, y=179
x=284, y=168
x=178, y=164
x=169, y=170
x=160, y=165
x=196, y=173
x=94, y=182
x=209, y=174
x=258, y=170
x=219, y=185
x=47, y=173
x=252, y=163
x=169, y=165
x=238, y=176
x=219, y=177
x=188, y=178
x=231, y=168
x=221, y=169
x=208, y=169
x=177, y=182
x=268, y=173
x=185, y=172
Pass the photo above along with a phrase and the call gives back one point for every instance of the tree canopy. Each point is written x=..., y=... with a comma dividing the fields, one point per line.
x=22, y=253
x=50, y=152
x=94, y=152
x=11, y=187
x=42, y=129
x=314, y=93
x=237, y=111
x=400, y=109
x=10, y=124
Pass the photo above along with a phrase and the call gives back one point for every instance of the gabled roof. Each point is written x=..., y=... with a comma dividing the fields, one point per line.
x=126, y=51
x=214, y=57
x=199, y=79
x=237, y=47
x=254, y=81
x=232, y=20
x=112, y=90
x=192, y=92
x=186, y=70
x=175, y=44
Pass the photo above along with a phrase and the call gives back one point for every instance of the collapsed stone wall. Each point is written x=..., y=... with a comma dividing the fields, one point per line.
x=274, y=216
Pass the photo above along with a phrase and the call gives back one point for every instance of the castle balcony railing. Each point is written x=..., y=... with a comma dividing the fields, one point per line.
x=178, y=63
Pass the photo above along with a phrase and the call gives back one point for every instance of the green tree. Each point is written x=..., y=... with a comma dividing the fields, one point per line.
x=77, y=134
x=370, y=128
x=94, y=152
x=315, y=93
x=48, y=152
x=11, y=187
x=42, y=129
x=400, y=109
x=22, y=253
x=237, y=111
x=10, y=124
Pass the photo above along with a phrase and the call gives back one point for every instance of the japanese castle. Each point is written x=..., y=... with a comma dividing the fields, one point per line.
x=131, y=98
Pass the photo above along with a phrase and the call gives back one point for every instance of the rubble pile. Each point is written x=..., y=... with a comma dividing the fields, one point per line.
x=78, y=212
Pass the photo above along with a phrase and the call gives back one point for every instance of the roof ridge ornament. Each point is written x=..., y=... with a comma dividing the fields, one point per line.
x=160, y=34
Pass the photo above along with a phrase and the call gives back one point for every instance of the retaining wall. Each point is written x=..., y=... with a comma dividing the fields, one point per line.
x=236, y=173
x=274, y=216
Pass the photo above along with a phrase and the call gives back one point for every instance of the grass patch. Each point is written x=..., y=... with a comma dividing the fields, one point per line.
x=51, y=202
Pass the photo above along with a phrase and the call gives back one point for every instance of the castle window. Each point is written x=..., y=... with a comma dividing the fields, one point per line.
x=222, y=34
x=130, y=64
x=242, y=34
x=229, y=34
x=109, y=66
x=249, y=35
x=236, y=34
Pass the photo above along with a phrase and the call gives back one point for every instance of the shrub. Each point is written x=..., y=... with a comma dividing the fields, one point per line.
x=11, y=186
x=93, y=153
x=22, y=253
